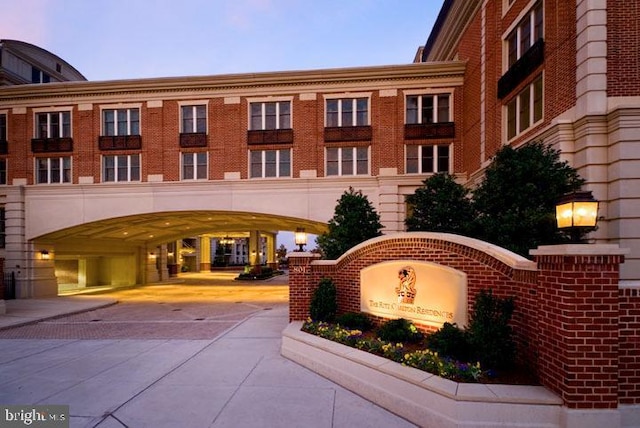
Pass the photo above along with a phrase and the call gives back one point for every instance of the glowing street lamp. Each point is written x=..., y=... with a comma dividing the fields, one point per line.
x=576, y=212
x=301, y=238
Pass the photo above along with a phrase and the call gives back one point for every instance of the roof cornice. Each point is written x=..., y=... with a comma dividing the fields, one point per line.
x=452, y=22
x=235, y=84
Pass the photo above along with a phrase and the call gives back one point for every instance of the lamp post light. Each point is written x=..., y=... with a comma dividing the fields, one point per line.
x=576, y=212
x=300, y=238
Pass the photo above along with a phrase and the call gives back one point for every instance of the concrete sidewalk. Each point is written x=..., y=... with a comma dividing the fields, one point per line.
x=27, y=311
x=238, y=379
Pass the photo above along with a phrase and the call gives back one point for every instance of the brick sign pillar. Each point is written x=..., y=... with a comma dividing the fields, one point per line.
x=578, y=323
x=301, y=284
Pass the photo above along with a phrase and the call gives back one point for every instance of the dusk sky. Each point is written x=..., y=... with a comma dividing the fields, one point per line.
x=126, y=39
x=131, y=39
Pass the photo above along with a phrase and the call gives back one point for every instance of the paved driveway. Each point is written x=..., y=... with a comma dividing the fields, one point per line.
x=190, y=310
x=201, y=353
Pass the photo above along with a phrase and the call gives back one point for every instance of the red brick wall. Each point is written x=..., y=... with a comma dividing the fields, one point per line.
x=227, y=137
x=578, y=323
x=629, y=346
x=623, y=48
x=483, y=271
x=573, y=325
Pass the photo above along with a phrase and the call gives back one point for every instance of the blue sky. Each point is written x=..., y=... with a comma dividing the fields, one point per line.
x=126, y=39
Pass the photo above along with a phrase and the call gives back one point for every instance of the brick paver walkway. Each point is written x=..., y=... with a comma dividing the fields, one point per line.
x=190, y=310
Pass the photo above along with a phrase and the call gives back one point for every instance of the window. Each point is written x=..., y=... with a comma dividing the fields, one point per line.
x=3, y=171
x=347, y=112
x=428, y=159
x=527, y=32
x=428, y=108
x=271, y=115
x=194, y=166
x=121, y=168
x=525, y=109
x=270, y=163
x=347, y=161
x=39, y=76
x=53, y=170
x=53, y=125
x=194, y=119
x=3, y=127
x=118, y=122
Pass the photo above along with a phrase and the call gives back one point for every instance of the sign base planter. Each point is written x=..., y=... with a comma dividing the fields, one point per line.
x=429, y=400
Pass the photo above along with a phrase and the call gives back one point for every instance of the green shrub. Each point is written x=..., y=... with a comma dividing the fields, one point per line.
x=490, y=335
x=324, y=303
x=399, y=330
x=355, y=320
x=450, y=341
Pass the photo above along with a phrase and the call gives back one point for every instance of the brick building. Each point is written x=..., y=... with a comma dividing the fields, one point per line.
x=564, y=72
x=100, y=178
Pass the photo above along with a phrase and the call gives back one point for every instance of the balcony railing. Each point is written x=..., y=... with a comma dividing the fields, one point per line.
x=421, y=131
x=348, y=133
x=120, y=142
x=270, y=136
x=193, y=139
x=522, y=68
x=46, y=145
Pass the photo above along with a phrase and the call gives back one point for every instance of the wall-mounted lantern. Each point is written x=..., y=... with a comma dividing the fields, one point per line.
x=300, y=238
x=576, y=212
x=45, y=255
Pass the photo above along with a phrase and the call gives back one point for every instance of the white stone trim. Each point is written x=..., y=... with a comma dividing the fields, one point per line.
x=580, y=250
x=509, y=258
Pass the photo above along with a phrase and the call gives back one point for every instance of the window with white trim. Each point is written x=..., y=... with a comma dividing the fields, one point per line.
x=53, y=170
x=121, y=122
x=194, y=119
x=270, y=163
x=270, y=115
x=525, y=109
x=433, y=108
x=525, y=34
x=347, y=112
x=347, y=161
x=428, y=159
x=53, y=124
x=121, y=168
x=194, y=166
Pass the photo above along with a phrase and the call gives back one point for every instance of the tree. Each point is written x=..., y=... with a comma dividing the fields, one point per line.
x=440, y=205
x=513, y=207
x=355, y=220
x=516, y=200
x=281, y=252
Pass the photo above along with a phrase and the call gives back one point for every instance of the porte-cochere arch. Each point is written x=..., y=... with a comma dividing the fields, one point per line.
x=114, y=232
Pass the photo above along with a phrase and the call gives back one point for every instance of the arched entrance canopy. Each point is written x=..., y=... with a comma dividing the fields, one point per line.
x=161, y=227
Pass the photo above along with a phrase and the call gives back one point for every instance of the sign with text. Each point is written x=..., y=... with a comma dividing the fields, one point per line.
x=424, y=292
x=34, y=416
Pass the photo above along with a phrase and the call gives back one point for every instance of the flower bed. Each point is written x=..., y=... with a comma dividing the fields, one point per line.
x=423, y=359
